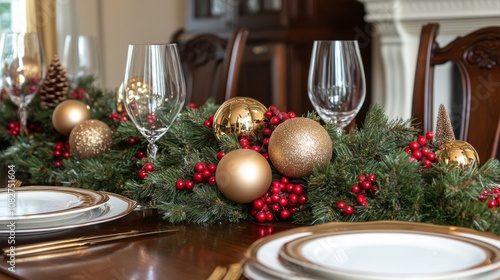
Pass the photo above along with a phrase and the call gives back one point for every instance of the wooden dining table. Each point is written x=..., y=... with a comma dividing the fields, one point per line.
x=193, y=251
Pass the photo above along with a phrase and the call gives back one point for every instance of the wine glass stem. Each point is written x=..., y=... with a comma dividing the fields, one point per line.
x=152, y=149
x=23, y=119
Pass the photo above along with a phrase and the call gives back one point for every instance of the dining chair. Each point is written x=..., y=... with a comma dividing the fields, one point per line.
x=211, y=64
x=477, y=58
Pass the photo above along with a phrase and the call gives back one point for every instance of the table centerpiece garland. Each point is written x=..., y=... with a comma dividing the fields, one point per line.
x=370, y=175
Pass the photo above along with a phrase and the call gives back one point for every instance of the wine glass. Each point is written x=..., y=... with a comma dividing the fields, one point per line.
x=154, y=90
x=22, y=70
x=81, y=60
x=336, y=83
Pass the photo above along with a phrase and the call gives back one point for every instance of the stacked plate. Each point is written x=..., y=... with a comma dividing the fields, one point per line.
x=37, y=209
x=375, y=250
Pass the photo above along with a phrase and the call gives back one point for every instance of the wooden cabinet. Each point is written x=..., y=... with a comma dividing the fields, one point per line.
x=282, y=32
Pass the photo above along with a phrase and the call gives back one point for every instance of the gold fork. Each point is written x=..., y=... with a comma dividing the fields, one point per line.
x=233, y=272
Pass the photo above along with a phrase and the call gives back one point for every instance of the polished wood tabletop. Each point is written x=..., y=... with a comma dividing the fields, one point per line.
x=192, y=252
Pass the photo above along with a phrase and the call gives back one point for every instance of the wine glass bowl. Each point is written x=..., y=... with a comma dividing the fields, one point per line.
x=81, y=59
x=154, y=90
x=22, y=69
x=336, y=82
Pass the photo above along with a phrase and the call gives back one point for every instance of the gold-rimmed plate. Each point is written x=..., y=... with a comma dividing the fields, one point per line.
x=390, y=254
x=36, y=204
x=263, y=255
x=116, y=207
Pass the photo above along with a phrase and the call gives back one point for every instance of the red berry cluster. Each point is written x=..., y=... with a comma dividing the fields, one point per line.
x=184, y=185
x=148, y=167
x=366, y=186
x=119, y=117
x=15, y=128
x=134, y=140
x=140, y=154
x=208, y=123
x=419, y=150
x=61, y=151
x=204, y=173
x=492, y=197
x=78, y=93
x=283, y=198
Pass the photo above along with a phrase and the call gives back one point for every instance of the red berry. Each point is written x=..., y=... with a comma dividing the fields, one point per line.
x=261, y=217
x=341, y=205
x=180, y=184
x=289, y=188
x=268, y=114
x=293, y=199
x=498, y=200
x=302, y=199
x=57, y=163
x=371, y=177
x=361, y=199
x=275, y=207
x=361, y=178
x=429, y=135
x=417, y=154
x=492, y=203
x=285, y=214
x=189, y=185
x=59, y=146
x=142, y=174
x=211, y=180
x=298, y=189
x=275, y=189
x=349, y=210
x=208, y=124
x=374, y=189
x=355, y=189
x=149, y=167
x=291, y=115
x=66, y=155
x=283, y=201
x=275, y=120
x=258, y=204
x=206, y=173
x=269, y=216
x=431, y=156
x=285, y=180
x=212, y=167
x=426, y=163
x=256, y=148
x=267, y=132
x=198, y=177
x=244, y=142
x=365, y=185
x=200, y=167
x=496, y=190
x=422, y=140
x=57, y=153
x=407, y=150
x=414, y=146
x=220, y=155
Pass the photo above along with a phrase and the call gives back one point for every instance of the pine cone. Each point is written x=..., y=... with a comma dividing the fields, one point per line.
x=55, y=86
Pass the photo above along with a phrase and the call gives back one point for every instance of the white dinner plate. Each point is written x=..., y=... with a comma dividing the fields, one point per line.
x=117, y=206
x=263, y=255
x=391, y=254
x=38, y=204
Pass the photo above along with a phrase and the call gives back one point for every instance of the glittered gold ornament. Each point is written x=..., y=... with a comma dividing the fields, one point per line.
x=459, y=153
x=90, y=138
x=135, y=86
x=68, y=114
x=299, y=145
x=239, y=115
x=243, y=175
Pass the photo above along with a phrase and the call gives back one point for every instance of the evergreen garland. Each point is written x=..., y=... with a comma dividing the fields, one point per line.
x=443, y=194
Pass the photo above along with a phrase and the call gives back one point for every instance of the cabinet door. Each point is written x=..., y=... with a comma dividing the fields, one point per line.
x=261, y=13
x=214, y=15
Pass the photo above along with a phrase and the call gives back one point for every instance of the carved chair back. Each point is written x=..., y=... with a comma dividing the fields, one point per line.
x=211, y=64
x=477, y=58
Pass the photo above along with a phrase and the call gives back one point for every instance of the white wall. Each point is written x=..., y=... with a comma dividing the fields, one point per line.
x=117, y=23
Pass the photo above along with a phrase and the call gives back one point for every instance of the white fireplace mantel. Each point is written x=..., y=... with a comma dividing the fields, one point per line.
x=395, y=33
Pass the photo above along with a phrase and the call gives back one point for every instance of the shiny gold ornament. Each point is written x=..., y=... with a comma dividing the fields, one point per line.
x=68, y=114
x=30, y=70
x=299, y=145
x=243, y=175
x=135, y=87
x=459, y=153
x=90, y=138
x=239, y=115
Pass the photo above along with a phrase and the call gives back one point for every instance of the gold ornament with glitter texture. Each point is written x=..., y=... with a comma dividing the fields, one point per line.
x=90, y=138
x=299, y=145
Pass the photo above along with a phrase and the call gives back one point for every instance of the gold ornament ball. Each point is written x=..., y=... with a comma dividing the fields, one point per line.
x=459, y=153
x=239, y=115
x=68, y=114
x=299, y=145
x=90, y=138
x=243, y=175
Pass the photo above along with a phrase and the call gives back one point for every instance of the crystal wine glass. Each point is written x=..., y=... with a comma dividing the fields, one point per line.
x=22, y=70
x=336, y=83
x=81, y=59
x=154, y=90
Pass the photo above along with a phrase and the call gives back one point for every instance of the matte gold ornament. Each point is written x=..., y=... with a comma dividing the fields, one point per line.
x=68, y=114
x=239, y=115
x=459, y=153
x=243, y=175
x=90, y=138
x=299, y=145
